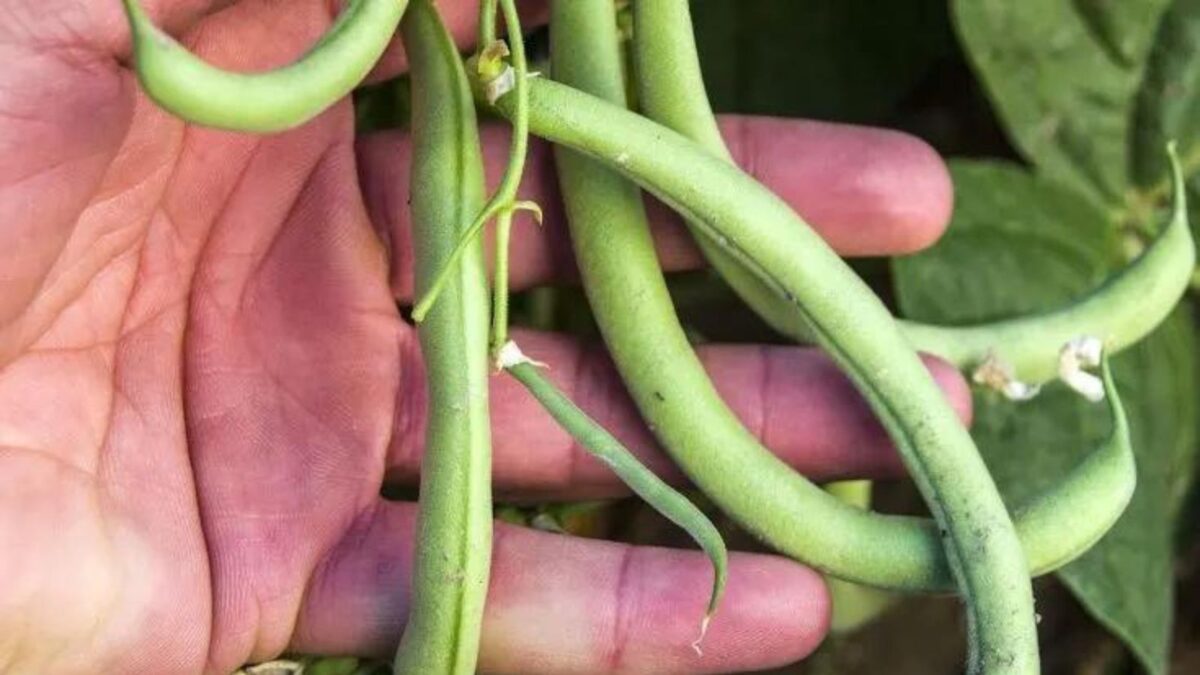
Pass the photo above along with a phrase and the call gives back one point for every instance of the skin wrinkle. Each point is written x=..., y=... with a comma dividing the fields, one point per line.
x=623, y=597
x=53, y=273
x=262, y=276
x=267, y=252
x=93, y=271
x=407, y=440
x=103, y=435
x=139, y=337
x=54, y=164
x=764, y=391
x=96, y=437
x=54, y=457
x=204, y=515
x=123, y=337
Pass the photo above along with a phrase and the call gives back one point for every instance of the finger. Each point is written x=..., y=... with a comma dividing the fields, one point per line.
x=794, y=399
x=462, y=20
x=866, y=191
x=562, y=605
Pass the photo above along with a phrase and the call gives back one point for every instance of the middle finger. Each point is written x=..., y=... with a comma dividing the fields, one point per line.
x=866, y=191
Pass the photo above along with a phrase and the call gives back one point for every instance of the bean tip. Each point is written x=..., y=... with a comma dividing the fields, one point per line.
x=700, y=638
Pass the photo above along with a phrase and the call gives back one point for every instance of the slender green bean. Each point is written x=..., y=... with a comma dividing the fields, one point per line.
x=787, y=511
x=199, y=92
x=984, y=553
x=672, y=92
x=450, y=575
x=662, y=497
x=617, y=261
x=1120, y=312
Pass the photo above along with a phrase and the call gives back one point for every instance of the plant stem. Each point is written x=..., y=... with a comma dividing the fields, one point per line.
x=505, y=198
x=199, y=92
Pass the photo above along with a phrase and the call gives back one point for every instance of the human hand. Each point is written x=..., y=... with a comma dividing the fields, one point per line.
x=204, y=379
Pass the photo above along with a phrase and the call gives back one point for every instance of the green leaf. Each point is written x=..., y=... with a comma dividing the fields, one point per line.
x=1168, y=105
x=1119, y=27
x=1127, y=581
x=811, y=59
x=1007, y=222
x=1063, y=75
x=1168, y=108
x=1020, y=243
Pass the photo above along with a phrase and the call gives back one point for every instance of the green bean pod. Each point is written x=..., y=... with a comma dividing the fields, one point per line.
x=671, y=90
x=596, y=440
x=1121, y=312
x=763, y=233
x=1131, y=304
x=1095, y=494
x=667, y=381
x=454, y=533
x=199, y=92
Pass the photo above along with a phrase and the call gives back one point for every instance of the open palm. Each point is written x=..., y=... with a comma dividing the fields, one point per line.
x=204, y=379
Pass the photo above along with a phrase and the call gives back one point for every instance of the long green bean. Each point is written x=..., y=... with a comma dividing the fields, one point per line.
x=617, y=261
x=1021, y=350
x=744, y=218
x=197, y=91
x=672, y=91
x=450, y=575
x=644, y=483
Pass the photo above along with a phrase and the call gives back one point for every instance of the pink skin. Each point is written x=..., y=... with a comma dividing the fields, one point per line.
x=204, y=380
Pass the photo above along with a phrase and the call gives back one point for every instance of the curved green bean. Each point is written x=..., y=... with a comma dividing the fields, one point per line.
x=672, y=92
x=1120, y=312
x=199, y=92
x=454, y=535
x=644, y=483
x=762, y=232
